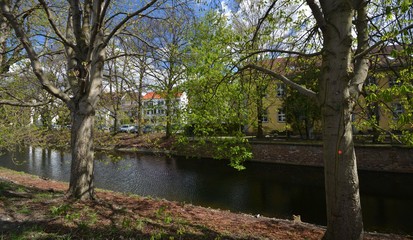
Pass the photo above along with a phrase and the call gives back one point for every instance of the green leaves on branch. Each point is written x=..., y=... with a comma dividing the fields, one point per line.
x=215, y=111
x=390, y=100
x=236, y=149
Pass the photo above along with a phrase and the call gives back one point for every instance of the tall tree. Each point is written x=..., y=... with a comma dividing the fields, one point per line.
x=139, y=48
x=342, y=29
x=216, y=105
x=83, y=31
x=167, y=66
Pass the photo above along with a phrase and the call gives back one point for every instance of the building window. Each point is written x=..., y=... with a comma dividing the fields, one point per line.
x=161, y=111
x=149, y=112
x=264, y=116
x=397, y=110
x=148, y=104
x=281, y=115
x=161, y=103
x=280, y=89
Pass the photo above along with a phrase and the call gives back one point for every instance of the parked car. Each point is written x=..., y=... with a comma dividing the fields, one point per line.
x=147, y=129
x=128, y=128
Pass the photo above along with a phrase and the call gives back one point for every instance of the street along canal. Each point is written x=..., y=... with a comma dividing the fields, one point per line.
x=271, y=190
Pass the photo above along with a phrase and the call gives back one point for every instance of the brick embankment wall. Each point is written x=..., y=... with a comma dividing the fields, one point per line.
x=374, y=158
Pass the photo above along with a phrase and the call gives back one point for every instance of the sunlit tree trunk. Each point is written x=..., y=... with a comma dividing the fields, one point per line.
x=260, y=110
x=83, y=109
x=344, y=218
x=142, y=73
x=81, y=176
x=3, y=45
x=168, y=116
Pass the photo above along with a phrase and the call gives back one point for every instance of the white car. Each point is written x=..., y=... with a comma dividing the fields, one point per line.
x=128, y=128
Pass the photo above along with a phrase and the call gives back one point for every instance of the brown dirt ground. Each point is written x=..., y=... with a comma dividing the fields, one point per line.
x=35, y=203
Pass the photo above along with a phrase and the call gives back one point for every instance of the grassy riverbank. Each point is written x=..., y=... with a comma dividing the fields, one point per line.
x=35, y=208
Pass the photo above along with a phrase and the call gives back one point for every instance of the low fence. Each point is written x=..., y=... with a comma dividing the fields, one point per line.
x=369, y=157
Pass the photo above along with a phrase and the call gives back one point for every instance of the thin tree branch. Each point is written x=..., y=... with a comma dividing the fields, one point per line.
x=374, y=46
x=261, y=21
x=126, y=19
x=124, y=55
x=127, y=33
x=305, y=91
x=53, y=25
x=279, y=51
x=34, y=59
x=23, y=104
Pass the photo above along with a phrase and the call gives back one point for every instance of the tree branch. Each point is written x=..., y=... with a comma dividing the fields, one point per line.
x=374, y=46
x=279, y=51
x=361, y=65
x=23, y=104
x=104, y=10
x=53, y=25
x=124, y=55
x=261, y=20
x=318, y=14
x=34, y=59
x=301, y=89
x=126, y=19
x=77, y=24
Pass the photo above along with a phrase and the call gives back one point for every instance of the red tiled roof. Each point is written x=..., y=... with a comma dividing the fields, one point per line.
x=154, y=95
x=151, y=95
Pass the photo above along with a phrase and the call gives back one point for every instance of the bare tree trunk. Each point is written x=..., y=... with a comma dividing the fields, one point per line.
x=168, y=113
x=3, y=46
x=81, y=179
x=260, y=132
x=142, y=63
x=83, y=108
x=344, y=218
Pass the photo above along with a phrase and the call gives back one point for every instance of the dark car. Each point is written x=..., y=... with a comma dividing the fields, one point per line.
x=147, y=129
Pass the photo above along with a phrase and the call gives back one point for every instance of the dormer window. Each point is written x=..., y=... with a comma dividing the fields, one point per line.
x=280, y=89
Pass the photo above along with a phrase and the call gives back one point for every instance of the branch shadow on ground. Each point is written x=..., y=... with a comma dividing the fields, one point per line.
x=31, y=213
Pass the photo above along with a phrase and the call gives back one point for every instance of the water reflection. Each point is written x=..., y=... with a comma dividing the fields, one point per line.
x=267, y=189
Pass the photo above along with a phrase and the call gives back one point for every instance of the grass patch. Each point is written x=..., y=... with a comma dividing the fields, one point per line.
x=24, y=210
x=34, y=232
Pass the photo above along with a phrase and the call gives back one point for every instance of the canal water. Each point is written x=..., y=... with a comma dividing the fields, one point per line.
x=271, y=190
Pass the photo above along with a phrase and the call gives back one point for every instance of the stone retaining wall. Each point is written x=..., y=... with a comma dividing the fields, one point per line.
x=375, y=158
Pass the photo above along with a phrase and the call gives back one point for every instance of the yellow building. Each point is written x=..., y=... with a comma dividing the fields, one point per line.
x=382, y=110
x=271, y=94
x=272, y=117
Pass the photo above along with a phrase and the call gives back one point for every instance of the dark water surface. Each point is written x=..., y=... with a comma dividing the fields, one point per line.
x=271, y=190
